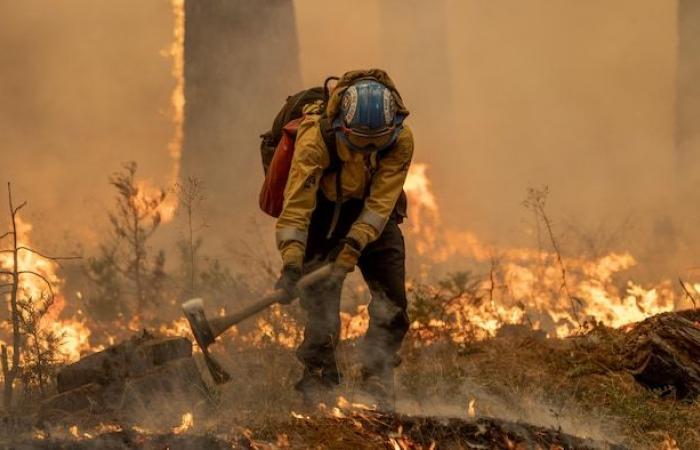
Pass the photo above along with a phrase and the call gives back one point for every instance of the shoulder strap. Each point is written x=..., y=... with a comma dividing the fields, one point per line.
x=328, y=135
x=336, y=166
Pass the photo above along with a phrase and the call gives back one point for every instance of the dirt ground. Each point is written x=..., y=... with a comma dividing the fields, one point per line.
x=515, y=391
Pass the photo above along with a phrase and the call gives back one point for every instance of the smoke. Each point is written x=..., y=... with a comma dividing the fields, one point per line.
x=580, y=96
x=84, y=87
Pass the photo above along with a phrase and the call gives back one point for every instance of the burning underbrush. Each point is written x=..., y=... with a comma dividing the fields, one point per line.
x=527, y=336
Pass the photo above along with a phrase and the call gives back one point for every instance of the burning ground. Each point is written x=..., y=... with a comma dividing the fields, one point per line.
x=528, y=348
x=543, y=391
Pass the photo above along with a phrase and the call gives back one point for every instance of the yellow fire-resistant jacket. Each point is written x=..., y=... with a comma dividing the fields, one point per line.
x=383, y=181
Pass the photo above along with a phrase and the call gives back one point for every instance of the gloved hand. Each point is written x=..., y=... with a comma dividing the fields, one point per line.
x=346, y=254
x=288, y=281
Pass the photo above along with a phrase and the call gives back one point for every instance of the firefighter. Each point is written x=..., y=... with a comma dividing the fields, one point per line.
x=344, y=205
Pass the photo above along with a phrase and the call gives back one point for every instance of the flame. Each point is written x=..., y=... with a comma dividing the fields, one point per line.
x=526, y=282
x=186, y=423
x=471, y=409
x=73, y=331
x=148, y=191
x=73, y=431
x=178, y=327
x=343, y=404
x=176, y=53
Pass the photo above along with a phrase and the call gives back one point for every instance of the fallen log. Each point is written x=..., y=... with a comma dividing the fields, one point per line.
x=144, y=375
x=663, y=353
x=134, y=357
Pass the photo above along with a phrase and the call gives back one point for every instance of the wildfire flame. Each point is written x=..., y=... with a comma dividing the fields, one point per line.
x=186, y=423
x=471, y=408
x=527, y=280
x=176, y=53
x=73, y=331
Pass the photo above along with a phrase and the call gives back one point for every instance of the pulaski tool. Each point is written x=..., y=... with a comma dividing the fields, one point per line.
x=206, y=331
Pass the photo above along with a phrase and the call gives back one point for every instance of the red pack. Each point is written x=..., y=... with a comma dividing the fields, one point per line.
x=272, y=193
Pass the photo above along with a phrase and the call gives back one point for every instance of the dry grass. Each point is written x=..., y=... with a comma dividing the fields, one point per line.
x=577, y=385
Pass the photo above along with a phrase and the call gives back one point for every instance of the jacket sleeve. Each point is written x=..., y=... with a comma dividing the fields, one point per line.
x=385, y=189
x=309, y=161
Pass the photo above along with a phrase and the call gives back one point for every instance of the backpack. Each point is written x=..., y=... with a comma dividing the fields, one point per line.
x=277, y=146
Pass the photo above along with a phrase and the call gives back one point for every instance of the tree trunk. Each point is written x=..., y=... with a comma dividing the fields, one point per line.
x=10, y=372
x=688, y=89
x=663, y=352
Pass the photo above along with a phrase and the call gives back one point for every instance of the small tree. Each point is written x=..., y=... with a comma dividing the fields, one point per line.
x=42, y=347
x=25, y=312
x=134, y=221
x=190, y=196
x=536, y=201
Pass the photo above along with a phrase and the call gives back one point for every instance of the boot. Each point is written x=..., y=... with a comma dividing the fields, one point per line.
x=316, y=387
x=381, y=388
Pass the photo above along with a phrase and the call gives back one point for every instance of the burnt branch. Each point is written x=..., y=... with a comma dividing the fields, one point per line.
x=16, y=210
x=53, y=258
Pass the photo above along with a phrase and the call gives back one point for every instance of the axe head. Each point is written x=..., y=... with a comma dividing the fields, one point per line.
x=194, y=311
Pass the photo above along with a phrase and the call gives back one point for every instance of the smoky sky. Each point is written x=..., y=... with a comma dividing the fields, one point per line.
x=580, y=96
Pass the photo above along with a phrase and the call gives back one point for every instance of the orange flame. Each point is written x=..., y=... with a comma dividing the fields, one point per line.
x=75, y=334
x=529, y=279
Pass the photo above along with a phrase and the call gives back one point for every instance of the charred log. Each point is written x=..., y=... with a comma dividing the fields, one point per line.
x=131, y=358
x=663, y=353
x=144, y=373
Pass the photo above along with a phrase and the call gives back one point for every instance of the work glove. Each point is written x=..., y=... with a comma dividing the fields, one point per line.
x=343, y=259
x=346, y=254
x=288, y=280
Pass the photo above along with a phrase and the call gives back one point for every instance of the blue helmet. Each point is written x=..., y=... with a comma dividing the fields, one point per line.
x=368, y=119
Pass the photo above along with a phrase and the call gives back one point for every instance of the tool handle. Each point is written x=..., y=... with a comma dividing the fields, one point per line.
x=220, y=324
